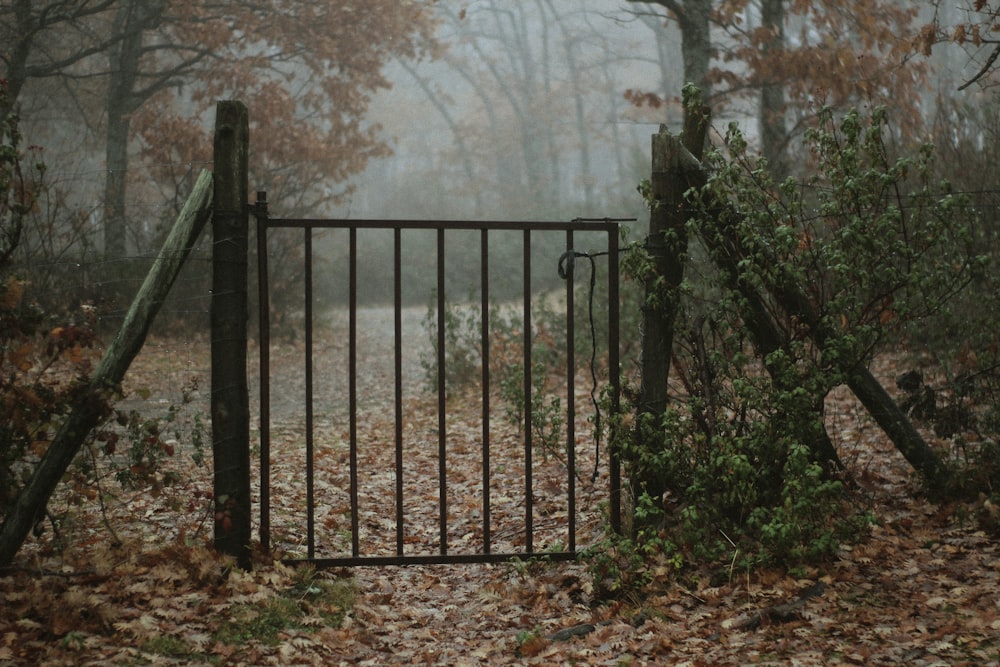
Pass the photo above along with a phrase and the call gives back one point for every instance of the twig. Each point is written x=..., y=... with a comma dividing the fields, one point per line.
x=732, y=564
x=981, y=73
x=781, y=613
x=100, y=498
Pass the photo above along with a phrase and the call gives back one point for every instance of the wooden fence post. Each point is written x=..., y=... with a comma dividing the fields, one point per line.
x=230, y=399
x=666, y=241
x=89, y=410
x=666, y=246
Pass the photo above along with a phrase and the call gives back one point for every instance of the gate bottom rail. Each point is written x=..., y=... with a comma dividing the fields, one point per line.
x=433, y=559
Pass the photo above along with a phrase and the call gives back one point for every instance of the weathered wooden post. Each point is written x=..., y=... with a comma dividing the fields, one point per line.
x=230, y=399
x=89, y=410
x=767, y=337
x=666, y=245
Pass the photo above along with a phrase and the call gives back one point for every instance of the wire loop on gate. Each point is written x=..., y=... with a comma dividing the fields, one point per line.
x=566, y=265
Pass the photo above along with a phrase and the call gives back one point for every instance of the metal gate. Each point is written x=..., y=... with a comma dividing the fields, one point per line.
x=484, y=548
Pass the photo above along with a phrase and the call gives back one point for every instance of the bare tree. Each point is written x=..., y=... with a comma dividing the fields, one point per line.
x=976, y=33
x=693, y=19
x=845, y=52
x=46, y=39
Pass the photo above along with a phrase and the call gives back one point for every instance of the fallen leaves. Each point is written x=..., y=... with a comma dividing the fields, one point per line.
x=922, y=590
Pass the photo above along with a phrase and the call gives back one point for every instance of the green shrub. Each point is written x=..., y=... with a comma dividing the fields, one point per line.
x=739, y=451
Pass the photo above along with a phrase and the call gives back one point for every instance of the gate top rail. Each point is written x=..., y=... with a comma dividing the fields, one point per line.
x=577, y=224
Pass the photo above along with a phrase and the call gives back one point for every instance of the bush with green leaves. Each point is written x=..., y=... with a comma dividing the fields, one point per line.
x=867, y=244
x=957, y=353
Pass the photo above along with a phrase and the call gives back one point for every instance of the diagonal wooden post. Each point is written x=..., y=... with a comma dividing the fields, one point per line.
x=110, y=372
x=727, y=253
x=230, y=400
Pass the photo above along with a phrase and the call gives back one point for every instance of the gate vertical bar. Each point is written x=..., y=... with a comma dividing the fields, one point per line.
x=442, y=389
x=398, y=351
x=352, y=384
x=264, y=345
x=571, y=393
x=614, y=454
x=528, y=500
x=310, y=484
x=484, y=290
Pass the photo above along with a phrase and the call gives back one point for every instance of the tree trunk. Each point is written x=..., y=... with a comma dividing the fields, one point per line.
x=123, y=62
x=773, y=135
x=578, y=86
x=693, y=18
x=116, y=155
x=128, y=341
x=132, y=19
x=696, y=44
x=18, y=52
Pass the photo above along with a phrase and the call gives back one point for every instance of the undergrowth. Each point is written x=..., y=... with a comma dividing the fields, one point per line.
x=741, y=472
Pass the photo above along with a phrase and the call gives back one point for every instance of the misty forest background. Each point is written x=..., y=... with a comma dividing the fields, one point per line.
x=481, y=110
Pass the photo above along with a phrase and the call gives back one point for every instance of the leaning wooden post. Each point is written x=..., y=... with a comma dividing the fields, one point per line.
x=728, y=254
x=230, y=400
x=91, y=408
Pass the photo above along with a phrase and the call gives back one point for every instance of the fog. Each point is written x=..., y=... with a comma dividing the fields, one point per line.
x=522, y=116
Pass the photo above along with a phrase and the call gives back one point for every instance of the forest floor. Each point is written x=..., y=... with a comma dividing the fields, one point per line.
x=130, y=580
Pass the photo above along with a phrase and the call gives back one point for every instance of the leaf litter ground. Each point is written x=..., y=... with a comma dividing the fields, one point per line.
x=130, y=580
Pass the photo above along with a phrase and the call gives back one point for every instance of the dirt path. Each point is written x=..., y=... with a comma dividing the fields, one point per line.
x=376, y=372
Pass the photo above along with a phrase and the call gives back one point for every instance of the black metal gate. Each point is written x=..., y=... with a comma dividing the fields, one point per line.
x=483, y=549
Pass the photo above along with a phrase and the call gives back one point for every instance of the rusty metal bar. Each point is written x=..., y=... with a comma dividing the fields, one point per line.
x=613, y=378
x=528, y=500
x=484, y=291
x=448, y=225
x=571, y=396
x=442, y=396
x=310, y=458
x=352, y=385
x=397, y=289
x=264, y=350
x=436, y=559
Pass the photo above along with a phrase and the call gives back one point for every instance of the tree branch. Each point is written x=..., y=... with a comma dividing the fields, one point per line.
x=985, y=69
